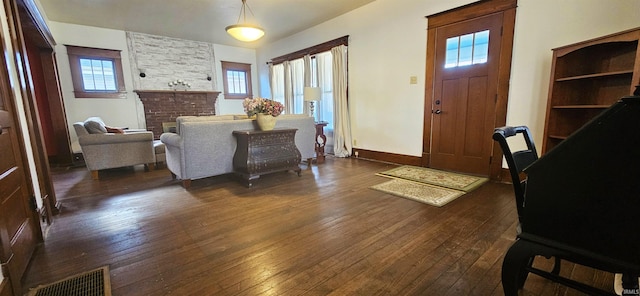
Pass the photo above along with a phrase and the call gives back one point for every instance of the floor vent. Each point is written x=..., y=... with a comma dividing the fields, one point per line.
x=91, y=283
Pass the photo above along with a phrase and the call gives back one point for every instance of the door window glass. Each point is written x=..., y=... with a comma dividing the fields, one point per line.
x=468, y=49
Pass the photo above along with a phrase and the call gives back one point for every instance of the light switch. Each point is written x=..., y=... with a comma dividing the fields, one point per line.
x=413, y=80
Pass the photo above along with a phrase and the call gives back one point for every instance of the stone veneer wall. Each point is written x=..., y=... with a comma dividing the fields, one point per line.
x=165, y=106
x=166, y=59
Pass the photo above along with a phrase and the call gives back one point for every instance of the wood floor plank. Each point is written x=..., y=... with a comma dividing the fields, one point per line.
x=323, y=233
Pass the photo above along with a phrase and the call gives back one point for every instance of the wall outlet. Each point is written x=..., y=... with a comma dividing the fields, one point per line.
x=355, y=143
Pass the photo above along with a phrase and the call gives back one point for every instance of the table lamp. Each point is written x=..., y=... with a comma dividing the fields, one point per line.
x=311, y=94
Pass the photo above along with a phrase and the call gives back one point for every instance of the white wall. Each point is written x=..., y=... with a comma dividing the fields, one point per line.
x=387, y=45
x=127, y=112
x=115, y=112
x=238, y=55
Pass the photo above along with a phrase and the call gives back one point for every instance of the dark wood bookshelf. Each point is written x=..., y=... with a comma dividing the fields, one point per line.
x=586, y=78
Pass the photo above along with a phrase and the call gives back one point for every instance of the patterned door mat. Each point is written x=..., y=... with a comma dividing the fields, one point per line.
x=424, y=193
x=433, y=187
x=455, y=181
x=91, y=283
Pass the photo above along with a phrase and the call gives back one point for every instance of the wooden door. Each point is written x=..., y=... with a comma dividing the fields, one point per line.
x=19, y=226
x=465, y=94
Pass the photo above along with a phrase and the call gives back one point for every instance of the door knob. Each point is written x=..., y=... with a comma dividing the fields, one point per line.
x=437, y=111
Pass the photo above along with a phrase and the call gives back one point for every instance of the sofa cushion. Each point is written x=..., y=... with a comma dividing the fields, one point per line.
x=182, y=119
x=239, y=116
x=205, y=118
x=294, y=115
x=95, y=127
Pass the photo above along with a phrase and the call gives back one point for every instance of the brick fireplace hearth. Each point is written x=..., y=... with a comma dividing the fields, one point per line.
x=165, y=105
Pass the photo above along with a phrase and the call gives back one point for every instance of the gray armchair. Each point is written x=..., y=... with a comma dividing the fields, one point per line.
x=104, y=150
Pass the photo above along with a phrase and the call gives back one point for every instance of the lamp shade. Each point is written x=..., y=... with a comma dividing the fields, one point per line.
x=245, y=32
x=311, y=94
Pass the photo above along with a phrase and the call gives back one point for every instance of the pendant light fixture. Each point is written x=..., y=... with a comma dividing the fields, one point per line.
x=244, y=31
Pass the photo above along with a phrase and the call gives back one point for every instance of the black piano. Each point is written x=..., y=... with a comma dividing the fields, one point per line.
x=582, y=203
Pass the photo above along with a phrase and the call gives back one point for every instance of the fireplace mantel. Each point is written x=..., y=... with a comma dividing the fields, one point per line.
x=165, y=105
x=144, y=92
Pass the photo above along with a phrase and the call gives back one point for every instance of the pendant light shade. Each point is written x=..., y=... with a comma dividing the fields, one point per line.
x=244, y=31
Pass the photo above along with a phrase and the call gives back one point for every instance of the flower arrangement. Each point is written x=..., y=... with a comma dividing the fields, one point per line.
x=262, y=105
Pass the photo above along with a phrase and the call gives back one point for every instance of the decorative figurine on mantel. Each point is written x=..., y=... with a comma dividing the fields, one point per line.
x=179, y=85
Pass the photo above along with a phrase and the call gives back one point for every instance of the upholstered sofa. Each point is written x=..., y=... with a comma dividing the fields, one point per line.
x=203, y=146
x=105, y=150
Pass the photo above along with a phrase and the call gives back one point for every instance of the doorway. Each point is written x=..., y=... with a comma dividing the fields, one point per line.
x=20, y=226
x=468, y=67
x=33, y=59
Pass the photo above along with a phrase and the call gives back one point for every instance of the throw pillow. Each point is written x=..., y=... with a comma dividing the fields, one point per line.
x=94, y=127
x=115, y=130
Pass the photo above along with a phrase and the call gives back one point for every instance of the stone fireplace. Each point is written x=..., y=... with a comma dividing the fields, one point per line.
x=162, y=106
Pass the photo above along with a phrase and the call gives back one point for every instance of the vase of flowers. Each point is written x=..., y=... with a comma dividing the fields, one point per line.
x=266, y=111
x=265, y=122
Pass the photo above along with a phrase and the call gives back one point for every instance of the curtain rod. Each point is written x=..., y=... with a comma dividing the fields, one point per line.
x=313, y=50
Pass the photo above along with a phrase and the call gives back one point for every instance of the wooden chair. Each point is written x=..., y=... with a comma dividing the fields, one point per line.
x=518, y=261
x=518, y=160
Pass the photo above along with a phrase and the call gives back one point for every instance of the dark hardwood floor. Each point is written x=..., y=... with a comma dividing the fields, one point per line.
x=324, y=233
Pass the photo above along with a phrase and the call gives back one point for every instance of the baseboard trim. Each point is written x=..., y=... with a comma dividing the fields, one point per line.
x=505, y=176
x=386, y=157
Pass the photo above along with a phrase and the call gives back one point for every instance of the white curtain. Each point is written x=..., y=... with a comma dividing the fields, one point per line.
x=342, y=126
x=288, y=90
x=287, y=85
x=297, y=85
x=324, y=108
x=271, y=79
x=276, y=78
x=307, y=70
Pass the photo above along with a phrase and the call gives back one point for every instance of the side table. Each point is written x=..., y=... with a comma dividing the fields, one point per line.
x=321, y=141
x=263, y=152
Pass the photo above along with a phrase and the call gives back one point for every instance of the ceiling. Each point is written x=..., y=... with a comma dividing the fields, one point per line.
x=200, y=20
